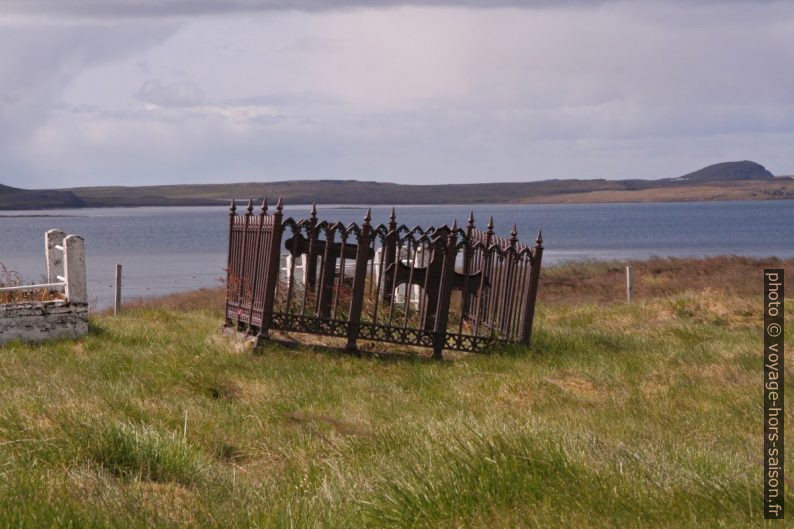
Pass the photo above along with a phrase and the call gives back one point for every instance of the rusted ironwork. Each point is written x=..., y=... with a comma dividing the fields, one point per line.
x=438, y=287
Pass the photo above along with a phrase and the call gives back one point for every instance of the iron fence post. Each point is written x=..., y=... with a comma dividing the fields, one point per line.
x=510, y=272
x=229, y=261
x=241, y=295
x=389, y=253
x=273, y=264
x=311, y=256
x=327, y=275
x=257, y=266
x=357, y=301
x=445, y=293
x=467, y=258
x=487, y=266
x=534, y=277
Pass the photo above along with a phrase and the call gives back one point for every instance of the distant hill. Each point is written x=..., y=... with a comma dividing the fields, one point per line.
x=15, y=198
x=726, y=172
x=723, y=181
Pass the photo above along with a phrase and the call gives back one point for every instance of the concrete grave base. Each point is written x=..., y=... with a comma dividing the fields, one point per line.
x=42, y=321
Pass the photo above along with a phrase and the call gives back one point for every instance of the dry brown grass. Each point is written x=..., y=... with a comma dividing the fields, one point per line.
x=777, y=189
x=711, y=285
x=211, y=299
x=12, y=278
x=605, y=282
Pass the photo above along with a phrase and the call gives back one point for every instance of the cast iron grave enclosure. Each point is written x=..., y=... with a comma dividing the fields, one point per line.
x=439, y=287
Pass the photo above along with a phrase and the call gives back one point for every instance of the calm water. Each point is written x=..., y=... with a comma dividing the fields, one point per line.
x=171, y=249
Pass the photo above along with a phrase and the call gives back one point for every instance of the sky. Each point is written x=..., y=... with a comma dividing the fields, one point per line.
x=104, y=92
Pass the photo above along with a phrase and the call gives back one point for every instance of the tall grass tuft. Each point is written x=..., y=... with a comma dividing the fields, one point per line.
x=139, y=452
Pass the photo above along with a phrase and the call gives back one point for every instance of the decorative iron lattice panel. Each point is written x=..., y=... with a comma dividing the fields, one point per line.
x=441, y=287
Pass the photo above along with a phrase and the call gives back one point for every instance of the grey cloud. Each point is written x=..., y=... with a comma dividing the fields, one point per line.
x=175, y=95
x=285, y=100
x=46, y=59
x=9, y=98
x=691, y=88
x=313, y=44
x=177, y=8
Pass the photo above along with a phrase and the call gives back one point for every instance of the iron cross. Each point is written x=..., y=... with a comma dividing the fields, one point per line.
x=429, y=278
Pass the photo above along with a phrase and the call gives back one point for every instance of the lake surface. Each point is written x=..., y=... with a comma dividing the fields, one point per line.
x=170, y=249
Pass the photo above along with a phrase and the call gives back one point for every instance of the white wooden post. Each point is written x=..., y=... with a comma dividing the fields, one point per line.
x=74, y=267
x=629, y=284
x=54, y=255
x=117, y=304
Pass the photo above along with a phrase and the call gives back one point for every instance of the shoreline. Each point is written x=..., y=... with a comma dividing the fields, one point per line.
x=334, y=205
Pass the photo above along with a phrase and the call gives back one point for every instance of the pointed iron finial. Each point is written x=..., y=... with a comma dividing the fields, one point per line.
x=539, y=240
x=280, y=204
x=264, y=206
x=455, y=225
x=490, y=225
x=233, y=207
x=514, y=235
x=368, y=216
x=393, y=216
x=471, y=219
x=313, y=216
x=250, y=207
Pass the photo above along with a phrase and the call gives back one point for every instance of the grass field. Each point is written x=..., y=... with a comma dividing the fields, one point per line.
x=647, y=415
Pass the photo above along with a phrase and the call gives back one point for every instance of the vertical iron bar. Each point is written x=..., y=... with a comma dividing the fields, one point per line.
x=379, y=280
x=357, y=301
x=480, y=290
x=422, y=308
x=510, y=273
x=232, y=214
x=465, y=299
x=311, y=264
x=257, y=263
x=392, y=297
x=445, y=293
x=290, y=280
x=496, y=299
x=534, y=277
x=273, y=265
x=520, y=295
x=244, y=259
x=389, y=248
x=409, y=287
x=328, y=271
x=341, y=281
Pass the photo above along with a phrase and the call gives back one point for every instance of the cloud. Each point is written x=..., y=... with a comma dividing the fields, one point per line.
x=417, y=94
x=313, y=44
x=40, y=62
x=176, y=94
x=181, y=8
